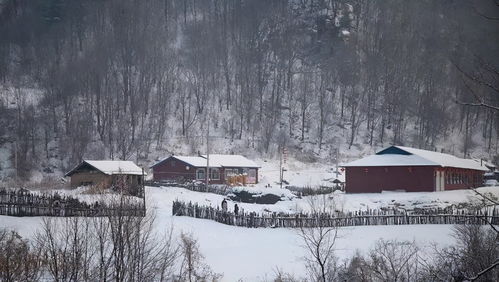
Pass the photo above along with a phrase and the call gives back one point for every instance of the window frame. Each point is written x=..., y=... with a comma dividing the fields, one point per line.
x=212, y=170
x=198, y=170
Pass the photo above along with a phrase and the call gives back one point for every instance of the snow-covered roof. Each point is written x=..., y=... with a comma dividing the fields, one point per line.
x=231, y=161
x=406, y=156
x=216, y=160
x=196, y=161
x=111, y=167
x=490, y=165
x=392, y=160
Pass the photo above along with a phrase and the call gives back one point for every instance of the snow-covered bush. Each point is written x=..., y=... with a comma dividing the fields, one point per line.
x=260, y=195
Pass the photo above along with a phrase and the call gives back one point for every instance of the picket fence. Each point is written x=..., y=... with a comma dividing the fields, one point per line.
x=24, y=203
x=489, y=215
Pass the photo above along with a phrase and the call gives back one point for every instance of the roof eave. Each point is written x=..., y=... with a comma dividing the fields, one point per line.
x=159, y=162
x=71, y=172
x=422, y=165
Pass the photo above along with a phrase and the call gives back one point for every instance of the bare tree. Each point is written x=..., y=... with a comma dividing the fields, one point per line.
x=319, y=241
x=281, y=276
x=18, y=260
x=393, y=261
x=64, y=244
x=118, y=74
x=120, y=247
x=192, y=266
x=474, y=257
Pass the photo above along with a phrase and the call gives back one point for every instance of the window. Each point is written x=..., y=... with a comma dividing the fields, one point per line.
x=230, y=172
x=173, y=163
x=251, y=175
x=214, y=174
x=200, y=174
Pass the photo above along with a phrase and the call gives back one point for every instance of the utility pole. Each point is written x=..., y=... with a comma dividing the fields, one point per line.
x=337, y=163
x=280, y=166
x=283, y=157
x=208, y=153
x=144, y=191
x=15, y=159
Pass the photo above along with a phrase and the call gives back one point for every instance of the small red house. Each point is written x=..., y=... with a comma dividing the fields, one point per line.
x=411, y=170
x=182, y=168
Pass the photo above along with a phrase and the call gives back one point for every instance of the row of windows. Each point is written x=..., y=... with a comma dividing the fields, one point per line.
x=450, y=177
x=215, y=173
x=461, y=178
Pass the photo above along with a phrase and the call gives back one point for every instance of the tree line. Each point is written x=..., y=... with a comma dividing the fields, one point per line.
x=125, y=78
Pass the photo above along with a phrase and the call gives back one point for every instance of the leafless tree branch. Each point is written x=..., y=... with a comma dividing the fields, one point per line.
x=492, y=266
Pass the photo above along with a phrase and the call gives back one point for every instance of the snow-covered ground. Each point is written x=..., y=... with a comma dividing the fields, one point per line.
x=346, y=202
x=254, y=254
x=297, y=173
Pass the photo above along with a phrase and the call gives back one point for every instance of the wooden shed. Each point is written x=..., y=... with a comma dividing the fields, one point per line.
x=398, y=168
x=108, y=174
x=191, y=168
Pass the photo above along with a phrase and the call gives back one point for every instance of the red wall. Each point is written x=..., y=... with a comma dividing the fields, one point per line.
x=377, y=179
x=173, y=169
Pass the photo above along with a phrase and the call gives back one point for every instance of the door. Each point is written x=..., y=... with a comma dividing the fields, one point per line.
x=439, y=181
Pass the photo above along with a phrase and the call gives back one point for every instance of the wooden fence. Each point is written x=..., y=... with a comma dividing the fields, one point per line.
x=24, y=203
x=358, y=218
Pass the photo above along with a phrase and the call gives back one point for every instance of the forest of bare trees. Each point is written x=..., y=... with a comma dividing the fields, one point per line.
x=127, y=78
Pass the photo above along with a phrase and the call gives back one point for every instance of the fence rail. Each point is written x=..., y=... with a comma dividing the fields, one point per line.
x=488, y=215
x=24, y=203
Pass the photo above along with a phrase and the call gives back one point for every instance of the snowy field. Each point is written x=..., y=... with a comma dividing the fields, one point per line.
x=255, y=254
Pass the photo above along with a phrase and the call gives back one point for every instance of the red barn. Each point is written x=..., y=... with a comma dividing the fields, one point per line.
x=181, y=168
x=412, y=170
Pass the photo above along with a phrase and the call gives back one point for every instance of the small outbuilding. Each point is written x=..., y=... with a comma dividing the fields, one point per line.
x=224, y=169
x=398, y=168
x=108, y=174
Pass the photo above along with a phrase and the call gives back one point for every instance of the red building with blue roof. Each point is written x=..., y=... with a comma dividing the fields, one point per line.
x=398, y=168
